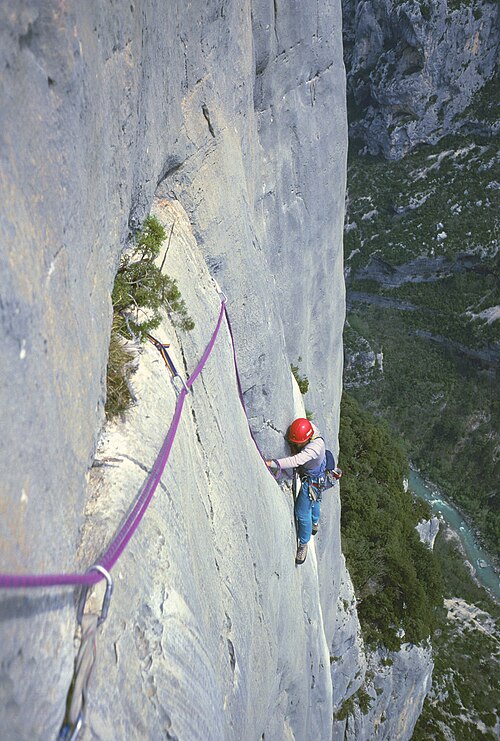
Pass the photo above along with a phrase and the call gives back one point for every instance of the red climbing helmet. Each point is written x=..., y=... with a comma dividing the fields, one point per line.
x=300, y=431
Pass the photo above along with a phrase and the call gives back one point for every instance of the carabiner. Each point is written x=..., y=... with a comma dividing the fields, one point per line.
x=68, y=734
x=107, y=595
x=178, y=375
x=221, y=293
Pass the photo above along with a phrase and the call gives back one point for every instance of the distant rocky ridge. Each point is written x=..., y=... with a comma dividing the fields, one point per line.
x=414, y=67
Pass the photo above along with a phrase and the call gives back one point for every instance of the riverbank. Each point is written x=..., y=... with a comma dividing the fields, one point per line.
x=484, y=566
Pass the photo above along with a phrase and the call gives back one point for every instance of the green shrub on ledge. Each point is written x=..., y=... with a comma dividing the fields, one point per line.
x=120, y=367
x=302, y=381
x=140, y=293
x=141, y=290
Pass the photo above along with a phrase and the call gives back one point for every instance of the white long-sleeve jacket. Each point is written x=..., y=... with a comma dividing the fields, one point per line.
x=309, y=457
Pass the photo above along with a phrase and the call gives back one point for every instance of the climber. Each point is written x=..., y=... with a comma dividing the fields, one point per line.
x=309, y=457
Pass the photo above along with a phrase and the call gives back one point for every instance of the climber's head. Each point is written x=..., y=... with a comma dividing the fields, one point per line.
x=300, y=432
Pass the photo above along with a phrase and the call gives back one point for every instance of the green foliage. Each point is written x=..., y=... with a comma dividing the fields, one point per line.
x=466, y=676
x=485, y=104
x=425, y=10
x=445, y=407
x=302, y=381
x=407, y=199
x=346, y=709
x=364, y=701
x=140, y=293
x=396, y=578
x=141, y=290
x=361, y=698
x=437, y=387
x=120, y=368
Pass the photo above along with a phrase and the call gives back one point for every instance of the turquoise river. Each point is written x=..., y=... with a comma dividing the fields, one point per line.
x=480, y=560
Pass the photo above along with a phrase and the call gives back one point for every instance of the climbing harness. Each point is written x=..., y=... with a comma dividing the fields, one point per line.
x=315, y=487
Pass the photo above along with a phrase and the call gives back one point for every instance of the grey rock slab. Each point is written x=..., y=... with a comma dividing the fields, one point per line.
x=397, y=695
x=428, y=530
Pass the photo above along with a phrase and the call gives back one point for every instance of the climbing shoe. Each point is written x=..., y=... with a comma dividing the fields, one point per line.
x=301, y=553
x=315, y=527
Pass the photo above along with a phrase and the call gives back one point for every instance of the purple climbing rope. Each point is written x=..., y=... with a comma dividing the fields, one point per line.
x=121, y=539
x=240, y=392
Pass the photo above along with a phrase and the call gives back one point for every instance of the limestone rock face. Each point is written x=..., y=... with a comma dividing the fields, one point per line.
x=228, y=120
x=428, y=530
x=392, y=699
x=217, y=631
x=414, y=67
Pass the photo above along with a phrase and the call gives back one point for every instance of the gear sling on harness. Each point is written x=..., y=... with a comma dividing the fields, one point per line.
x=321, y=478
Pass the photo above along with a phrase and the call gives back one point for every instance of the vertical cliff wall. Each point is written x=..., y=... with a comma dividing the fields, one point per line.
x=228, y=119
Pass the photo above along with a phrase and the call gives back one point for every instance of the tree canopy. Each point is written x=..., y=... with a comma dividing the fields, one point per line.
x=396, y=577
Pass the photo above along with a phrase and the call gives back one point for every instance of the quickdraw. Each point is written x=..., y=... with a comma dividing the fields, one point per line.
x=162, y=349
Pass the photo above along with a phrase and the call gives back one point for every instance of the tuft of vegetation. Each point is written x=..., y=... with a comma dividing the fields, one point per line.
x=361, y=699
x=121, y=365
x=141, y=293
x=302, y=381
x=396, y=577
x=364, y=700
x=346, y=709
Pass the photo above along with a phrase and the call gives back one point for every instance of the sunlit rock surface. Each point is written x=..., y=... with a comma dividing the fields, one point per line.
x=428, y=530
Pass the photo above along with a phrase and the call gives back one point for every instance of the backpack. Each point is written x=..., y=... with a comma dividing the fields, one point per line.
x=319, y=484
x=332, y=472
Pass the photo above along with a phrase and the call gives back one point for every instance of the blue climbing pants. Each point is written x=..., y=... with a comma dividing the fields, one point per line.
x=306, y=512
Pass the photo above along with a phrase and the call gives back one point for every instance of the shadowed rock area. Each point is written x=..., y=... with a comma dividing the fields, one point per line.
x=413, y=70
x=228, y=120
